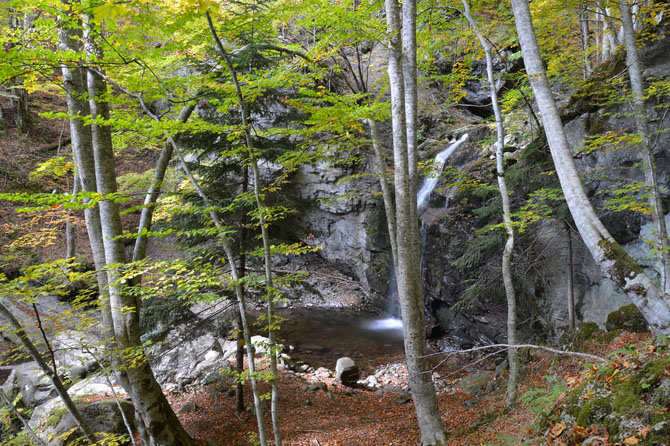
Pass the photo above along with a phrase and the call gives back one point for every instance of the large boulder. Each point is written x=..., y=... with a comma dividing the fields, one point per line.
x=93, y=387
x=346, y=371
x=34, y=386
x=476, y=383
x=58, y=428
x=627, y=318
x=175, y=361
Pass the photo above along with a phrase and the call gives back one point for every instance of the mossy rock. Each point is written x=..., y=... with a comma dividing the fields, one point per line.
x=623, y=401
x=60, y=429
x=577, y=338
x=627, y=318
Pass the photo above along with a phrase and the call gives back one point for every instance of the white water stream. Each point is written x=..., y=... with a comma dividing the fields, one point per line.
x=438, y=164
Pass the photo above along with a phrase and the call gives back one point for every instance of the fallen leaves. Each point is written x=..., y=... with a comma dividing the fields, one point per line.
x=558, y=429
x=631, y=440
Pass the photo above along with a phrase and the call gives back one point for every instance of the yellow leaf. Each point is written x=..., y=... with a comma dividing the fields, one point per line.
x=109, y=11
x=631, y=440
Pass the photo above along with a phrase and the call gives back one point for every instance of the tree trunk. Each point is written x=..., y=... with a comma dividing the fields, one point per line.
x=19, y=102
x=613, y=260
x=239, y=293
x=571, y=278
x=648, y=161
x=512, y=353
x=48, y=371
x=81, y=140
x=258, y=196
x=585, y=34
x=152, y=408
x=239, y=353
x=140, y=250
x=410, y=294
x=387, y=191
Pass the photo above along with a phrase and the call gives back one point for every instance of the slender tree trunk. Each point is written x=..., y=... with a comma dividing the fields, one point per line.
x=239, y=293
x=153, y=410
x=81, y=140
x=409, y=292
x=648, y=161
x=48, y=371
x=613, y=260
x=258, y=195
x=585, y=34
x=411, y=119
x=19, y=102
x=239, y=354
x=571, y=278
x=140, y=250
x=512, y=354
x=379, y=165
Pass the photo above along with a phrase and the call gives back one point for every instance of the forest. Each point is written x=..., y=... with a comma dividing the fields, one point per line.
x=334, y=222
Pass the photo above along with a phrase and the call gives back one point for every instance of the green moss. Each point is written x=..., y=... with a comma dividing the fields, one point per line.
x=593, y=411
x=628, y=318
x=21, y=439
x=572, y=400
x=624, y=266
x=54, y=418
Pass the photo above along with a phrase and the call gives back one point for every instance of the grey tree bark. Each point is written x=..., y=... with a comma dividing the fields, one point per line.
x=512, y=354
x=157, y=419
x=648, y=161
x=410, y=295
x=75, y=90
x=585, y=36
x=613, y=260
x=49, y=372
x=379, y=165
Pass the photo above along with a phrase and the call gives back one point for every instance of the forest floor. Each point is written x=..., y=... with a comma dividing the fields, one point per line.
x=341, y=416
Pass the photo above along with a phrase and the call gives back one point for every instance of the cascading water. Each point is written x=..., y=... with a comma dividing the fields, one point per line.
x=394, y=323
x=438, y=164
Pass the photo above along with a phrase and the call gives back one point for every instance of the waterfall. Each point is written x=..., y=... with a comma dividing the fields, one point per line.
x=438, y=164
x=392, y=322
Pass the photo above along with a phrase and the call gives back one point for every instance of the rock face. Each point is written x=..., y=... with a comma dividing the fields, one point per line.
x=477, y=383
x=346, y=371
x=34, y=387
x=75, y=351
x=343, y=216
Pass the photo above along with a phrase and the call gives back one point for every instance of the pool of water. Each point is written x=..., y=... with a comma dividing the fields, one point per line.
x=319, y=336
